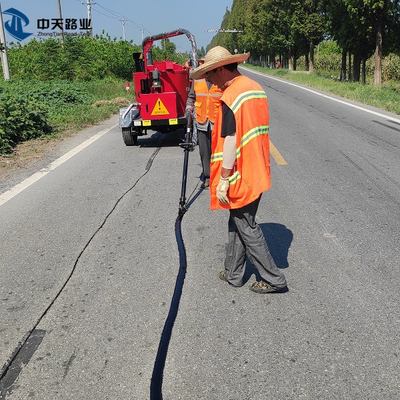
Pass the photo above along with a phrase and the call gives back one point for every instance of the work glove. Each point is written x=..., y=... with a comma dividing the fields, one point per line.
x=189, y=111
x=222, y=190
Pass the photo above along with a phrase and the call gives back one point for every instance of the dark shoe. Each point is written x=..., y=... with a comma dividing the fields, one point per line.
x=205, y=184
x=222, y=276
x=263, y=287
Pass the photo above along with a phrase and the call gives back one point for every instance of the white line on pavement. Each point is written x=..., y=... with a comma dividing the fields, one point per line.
x=6, y=196
x=328, y=97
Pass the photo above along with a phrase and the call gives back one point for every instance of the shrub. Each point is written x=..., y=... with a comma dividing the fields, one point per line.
x=81, y=58
x=20, y=121
x=391, y=67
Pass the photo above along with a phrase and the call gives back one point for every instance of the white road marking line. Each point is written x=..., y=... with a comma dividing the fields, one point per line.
x=9, y=194
x=328, y=97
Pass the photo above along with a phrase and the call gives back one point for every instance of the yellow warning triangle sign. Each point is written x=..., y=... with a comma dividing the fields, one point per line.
x=159, y=108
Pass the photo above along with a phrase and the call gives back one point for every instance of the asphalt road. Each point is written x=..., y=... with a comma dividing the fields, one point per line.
x=89, y=260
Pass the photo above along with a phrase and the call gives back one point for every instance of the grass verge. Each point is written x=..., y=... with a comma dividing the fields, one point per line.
x=106, y=98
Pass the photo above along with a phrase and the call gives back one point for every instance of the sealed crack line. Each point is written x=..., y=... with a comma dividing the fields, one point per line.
x=12, y=367
x=21, y=358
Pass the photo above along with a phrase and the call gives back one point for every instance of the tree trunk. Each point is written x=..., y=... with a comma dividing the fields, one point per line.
x=272, y=60
x=290, y=60
x=311, y=57
x=343, y=70
x=307, y=61
x=378, y=57
x=356, y=67
x=364, y=62
x=350, y=70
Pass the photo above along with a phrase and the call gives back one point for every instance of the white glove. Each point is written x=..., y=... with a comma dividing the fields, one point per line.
x=222, y=190
x=189, y=110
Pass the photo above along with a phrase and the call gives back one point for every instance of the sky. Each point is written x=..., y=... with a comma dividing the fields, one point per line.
x=145, y=17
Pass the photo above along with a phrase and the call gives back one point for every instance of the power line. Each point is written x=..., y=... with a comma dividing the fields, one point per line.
x=108, y=10
x=126, y=22
x=118, y=15
x=98, y=12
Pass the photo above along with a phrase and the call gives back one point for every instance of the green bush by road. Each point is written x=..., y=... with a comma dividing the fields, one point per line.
x=30, y=109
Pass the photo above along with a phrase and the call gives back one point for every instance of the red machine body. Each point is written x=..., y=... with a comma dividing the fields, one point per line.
x=161, y=87
x=165, y=96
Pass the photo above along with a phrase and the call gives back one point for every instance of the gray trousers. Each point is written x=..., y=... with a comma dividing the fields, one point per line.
x=245, y=237
x=204, y=140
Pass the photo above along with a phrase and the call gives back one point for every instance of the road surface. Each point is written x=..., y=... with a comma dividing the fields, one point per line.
x=89, y=259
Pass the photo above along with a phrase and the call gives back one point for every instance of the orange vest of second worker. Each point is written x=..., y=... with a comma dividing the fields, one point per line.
x=251, y=174
x=207, y=101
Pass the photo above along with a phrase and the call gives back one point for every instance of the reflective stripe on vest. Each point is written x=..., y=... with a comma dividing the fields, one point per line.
x=258, y=130
x=252, y=94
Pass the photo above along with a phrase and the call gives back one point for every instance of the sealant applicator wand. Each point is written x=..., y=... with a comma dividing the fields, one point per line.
x=188, y=147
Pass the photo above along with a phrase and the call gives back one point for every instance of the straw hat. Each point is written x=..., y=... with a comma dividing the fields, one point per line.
x=217, y=57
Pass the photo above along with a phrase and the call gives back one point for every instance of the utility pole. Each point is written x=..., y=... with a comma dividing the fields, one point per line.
x=89, y=15
x=123, y=28
x=62, y=24
x=3, y=49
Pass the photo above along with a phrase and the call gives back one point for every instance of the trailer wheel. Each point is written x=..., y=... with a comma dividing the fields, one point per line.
x=130, y=139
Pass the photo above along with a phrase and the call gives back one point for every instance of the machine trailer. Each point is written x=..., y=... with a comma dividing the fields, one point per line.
x=161, y=88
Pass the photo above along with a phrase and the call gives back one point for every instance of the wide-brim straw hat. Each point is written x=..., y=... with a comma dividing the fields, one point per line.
x=217, y=57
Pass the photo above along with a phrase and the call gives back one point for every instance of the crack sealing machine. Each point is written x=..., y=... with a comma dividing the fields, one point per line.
x=161, y=87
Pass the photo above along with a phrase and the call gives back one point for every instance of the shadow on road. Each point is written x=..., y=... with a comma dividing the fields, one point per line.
x=157, y=139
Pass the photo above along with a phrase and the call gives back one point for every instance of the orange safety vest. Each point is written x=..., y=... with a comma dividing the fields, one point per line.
x=251, y=174
x=207, y=101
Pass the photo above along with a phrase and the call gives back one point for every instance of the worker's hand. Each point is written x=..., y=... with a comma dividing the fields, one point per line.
x=189, y=111
x=222, y=190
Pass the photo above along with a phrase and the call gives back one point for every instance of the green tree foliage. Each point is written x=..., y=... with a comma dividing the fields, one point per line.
x=201, y=52
x=272, y=27
x=81, y=58
x=289, y=29
x=166, y=50
x=364, y=27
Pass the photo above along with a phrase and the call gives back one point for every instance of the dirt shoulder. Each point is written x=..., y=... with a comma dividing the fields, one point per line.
x=33, y=155
x=27, y=154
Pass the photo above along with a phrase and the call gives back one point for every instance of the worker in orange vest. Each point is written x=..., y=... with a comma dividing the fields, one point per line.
x=203, y=100
x=240, y=167
x=189, y=63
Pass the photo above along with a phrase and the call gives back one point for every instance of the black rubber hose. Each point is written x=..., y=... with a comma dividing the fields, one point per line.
x=157, y=377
